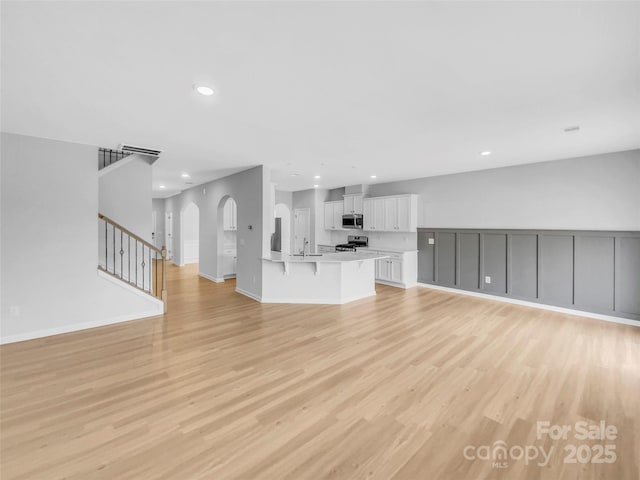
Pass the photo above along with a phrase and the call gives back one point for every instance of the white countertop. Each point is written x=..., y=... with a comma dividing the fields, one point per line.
x=338, y=257
x=387, y=249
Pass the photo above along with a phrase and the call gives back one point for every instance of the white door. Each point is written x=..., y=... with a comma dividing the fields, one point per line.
x=168, y=229
x=301, y=229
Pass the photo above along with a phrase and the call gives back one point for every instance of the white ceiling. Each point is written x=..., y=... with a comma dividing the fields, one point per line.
x=341, y=90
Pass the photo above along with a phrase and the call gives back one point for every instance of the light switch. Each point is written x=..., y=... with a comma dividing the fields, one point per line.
x=487, y=280
x=432, y=241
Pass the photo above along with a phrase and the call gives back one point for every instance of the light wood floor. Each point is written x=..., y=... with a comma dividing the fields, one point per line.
x=392, y=387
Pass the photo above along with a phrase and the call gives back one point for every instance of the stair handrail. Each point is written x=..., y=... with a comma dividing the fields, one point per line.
x=130, y=233
x=161, y=251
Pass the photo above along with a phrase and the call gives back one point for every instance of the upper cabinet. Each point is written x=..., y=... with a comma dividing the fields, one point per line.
x=333, y=215
x=397, y=213
x=353, y=203
x=230, y=215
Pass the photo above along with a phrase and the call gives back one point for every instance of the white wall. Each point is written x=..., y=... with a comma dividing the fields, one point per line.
x=190, y=233
x=157, y=207
x=49, y=244
x=600, y=192
x=124, y=194
x=251, y=189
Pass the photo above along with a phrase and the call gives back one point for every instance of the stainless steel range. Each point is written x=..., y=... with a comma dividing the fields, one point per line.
x=354, y=242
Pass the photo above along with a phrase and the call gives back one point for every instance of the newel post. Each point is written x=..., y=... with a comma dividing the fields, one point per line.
x=164, y=277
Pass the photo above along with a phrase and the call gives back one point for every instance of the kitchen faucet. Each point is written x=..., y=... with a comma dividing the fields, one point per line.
x=305, y=242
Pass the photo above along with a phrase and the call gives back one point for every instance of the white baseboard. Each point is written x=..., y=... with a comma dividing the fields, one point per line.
x=397, y=285
x=542, y=306
x=21, y=337
x=210, y=277
x=249, y=294
x=319, y=301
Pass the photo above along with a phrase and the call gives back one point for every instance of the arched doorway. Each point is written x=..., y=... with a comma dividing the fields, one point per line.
x=227, y=238
x=283, y=213
x=190, y=234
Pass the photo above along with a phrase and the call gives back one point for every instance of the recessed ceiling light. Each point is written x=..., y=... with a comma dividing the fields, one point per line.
x=485, y=153
x=317, y=177
x=294, y=174
x=316, y=186
x=185, y=175
x=203, y=89
x=374, y=176
x=572, y=129
x=162, y=186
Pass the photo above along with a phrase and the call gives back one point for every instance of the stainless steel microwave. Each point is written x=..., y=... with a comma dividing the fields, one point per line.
x=352, y=221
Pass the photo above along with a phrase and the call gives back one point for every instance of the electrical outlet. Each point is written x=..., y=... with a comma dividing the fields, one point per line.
x=14, y=311
x=432, y=241
x=487, y=280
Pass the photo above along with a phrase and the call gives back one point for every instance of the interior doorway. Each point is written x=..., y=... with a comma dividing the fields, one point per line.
x=168, y=233
x=301, y=229
x=227, y=238
x=190, y=234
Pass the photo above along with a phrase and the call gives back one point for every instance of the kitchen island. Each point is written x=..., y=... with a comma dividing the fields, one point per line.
x=330, y=278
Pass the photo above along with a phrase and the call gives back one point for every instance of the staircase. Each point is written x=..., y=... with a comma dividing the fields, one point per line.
x=122, y=254
x=131, y=259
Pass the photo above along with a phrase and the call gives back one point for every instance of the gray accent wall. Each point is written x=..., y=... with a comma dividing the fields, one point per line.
x=592, y=271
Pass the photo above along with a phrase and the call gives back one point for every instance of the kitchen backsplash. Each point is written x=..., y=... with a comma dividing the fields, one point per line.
x=379, y=239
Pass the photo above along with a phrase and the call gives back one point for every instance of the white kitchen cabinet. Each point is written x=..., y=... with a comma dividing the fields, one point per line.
x=333, y=215
x=398, y=213
x=229, y=262
x=400, y=269
x=395, y=270
x=373, y=218
x=367, y=214
x=405, y=208
x=353, y=204
x=230, y=215
x=389, y=270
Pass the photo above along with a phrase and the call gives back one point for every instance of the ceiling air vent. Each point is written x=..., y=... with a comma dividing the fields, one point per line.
x=141, y=150
x=572, y=129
